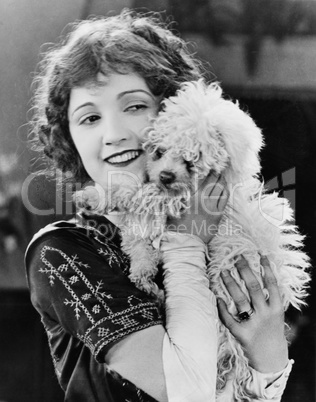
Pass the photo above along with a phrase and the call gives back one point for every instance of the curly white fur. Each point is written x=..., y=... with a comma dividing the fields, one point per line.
x=199, y=131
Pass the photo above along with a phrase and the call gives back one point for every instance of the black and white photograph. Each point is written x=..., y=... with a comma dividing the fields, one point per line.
x=157, y=200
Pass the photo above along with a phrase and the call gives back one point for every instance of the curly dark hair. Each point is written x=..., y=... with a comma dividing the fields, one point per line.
x=128, y=42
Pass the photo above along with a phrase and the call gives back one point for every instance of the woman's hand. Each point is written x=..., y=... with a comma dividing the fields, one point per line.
x=207, y=205
x=262, y=334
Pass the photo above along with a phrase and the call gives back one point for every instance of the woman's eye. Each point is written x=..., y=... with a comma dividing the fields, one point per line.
x=135, y=108
x=90, y=119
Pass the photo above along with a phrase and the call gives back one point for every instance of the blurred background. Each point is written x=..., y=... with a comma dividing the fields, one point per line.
x=264, y=54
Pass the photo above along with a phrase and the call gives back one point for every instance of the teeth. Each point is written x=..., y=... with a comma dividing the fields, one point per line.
x=124, y=158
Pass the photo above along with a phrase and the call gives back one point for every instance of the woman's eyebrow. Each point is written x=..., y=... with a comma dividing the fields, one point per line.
x=121, y=94
x=81, y=106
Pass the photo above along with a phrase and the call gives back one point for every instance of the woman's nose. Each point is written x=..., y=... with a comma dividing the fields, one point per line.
x=114, y=132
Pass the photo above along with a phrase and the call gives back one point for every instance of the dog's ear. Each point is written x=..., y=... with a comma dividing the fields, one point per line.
x=243, y=141
x=239, y=139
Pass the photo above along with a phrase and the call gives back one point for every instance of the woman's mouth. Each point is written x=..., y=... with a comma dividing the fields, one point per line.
x=123, y=158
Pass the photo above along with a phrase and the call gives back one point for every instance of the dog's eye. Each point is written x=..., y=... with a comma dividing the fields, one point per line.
x=158, y=154
x=189, y=165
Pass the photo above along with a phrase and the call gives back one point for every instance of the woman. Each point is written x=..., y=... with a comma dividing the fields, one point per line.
x=97, y=91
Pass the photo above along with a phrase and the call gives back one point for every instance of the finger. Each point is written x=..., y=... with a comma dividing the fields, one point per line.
x=220, y=193
x=223, y=199
x=208, y=181
x=200, y=183
x=270, y=282
x=214, y=185
x=215, y=194
x=252, y=284
x=241, y=301
x=227, y=319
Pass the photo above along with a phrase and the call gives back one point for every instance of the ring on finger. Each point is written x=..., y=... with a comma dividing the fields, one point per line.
x=245, y=315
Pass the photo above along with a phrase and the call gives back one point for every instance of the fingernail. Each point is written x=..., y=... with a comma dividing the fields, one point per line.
x=241, y=260
x=225, y=273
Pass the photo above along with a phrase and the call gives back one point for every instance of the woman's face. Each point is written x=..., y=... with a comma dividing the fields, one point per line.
x=107, y=123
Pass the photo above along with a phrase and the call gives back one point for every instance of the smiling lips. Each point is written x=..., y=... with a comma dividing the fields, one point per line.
x=123, y=157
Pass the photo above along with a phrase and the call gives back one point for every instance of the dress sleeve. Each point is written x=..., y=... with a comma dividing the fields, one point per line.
x=190, y=342
x=83, y=288
x=268, y=387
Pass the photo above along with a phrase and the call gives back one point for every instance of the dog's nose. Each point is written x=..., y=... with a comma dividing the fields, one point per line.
x=167, y=177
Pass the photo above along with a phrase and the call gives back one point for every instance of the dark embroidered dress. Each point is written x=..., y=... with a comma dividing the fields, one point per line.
x=77, y=276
